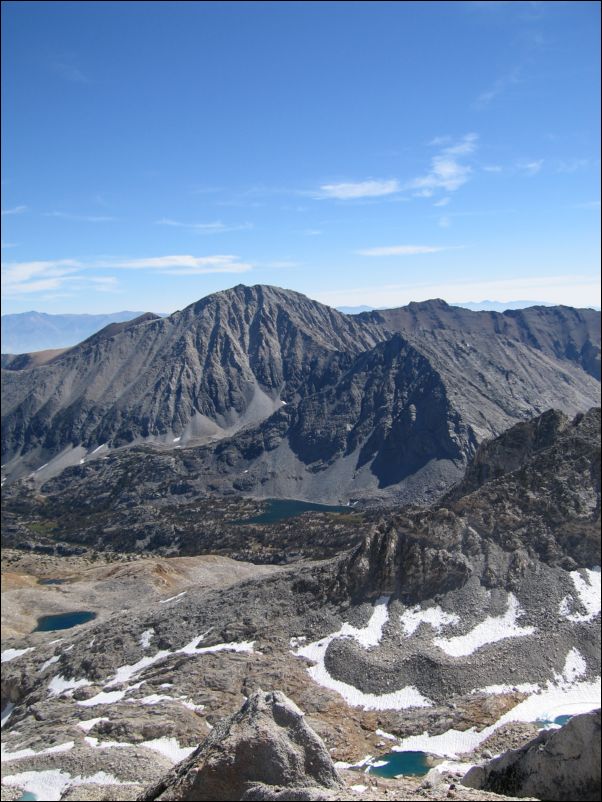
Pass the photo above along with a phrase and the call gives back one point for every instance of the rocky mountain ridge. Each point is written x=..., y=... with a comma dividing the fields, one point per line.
x=273, y=394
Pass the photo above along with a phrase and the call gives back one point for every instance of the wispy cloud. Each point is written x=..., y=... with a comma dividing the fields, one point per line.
x=20, y=278
x=25, y=278
x=444, y=222
x=447, y=172
x=83, y=218
x=530, y=168
x=571, y=165
x=215, y=227
x=442, y=202
x=593, y=205
x=360, y=189
x=493, y=168
x=403, y=250
x=184, y=264
x=9, y=244
x=69, y=71
x=498, y=87
x=312, y=232
x=14, y=210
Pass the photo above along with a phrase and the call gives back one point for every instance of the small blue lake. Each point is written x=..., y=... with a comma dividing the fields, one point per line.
x=51, y=581
x=414, y=764
x=27, y=797
x=278, y=509
x=49, y=623
x=560, y=720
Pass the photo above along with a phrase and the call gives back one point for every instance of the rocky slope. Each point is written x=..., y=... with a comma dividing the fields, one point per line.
x=557, y=765
x=449, y=631
x=273, y=394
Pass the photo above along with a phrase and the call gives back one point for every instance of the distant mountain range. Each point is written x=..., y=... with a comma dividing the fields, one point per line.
x=38, y=331
x=476, y=306
x=268, y=393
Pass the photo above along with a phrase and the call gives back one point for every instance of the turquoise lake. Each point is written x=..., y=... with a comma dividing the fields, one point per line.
x=49, y=623
x=410, y=763
x=278, y=509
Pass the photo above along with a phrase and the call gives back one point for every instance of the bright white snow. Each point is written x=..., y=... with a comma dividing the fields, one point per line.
x=58, y=685
x=51, y=784
x=588, y=590
x=87, y=725
x=21, y=753
x=491, y=630
x=7, y=712
x=12, y=654
x=367, y=636
x=434, y=616
x=146, y=638
x=563, y=695
x=171, y=598
x=48, y=662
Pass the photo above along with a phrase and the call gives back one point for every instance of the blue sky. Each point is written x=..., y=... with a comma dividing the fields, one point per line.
x=361, y=153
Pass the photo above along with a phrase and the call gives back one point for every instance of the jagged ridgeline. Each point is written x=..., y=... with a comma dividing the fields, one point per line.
x=262, y=391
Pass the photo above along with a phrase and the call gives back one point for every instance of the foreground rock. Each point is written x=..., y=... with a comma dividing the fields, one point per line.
x=559, y=764
x=267, y=743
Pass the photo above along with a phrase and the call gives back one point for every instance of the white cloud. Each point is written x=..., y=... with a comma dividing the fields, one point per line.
x=24, y=278
x=9, y=244
x=402, y=250
x=594, y=205
x=447, y=172
x=573, y=290
x=497, y=88
x=531, y=168
x=442, y=202
x=492, y=168
x=467, y=144
x=184, y=264
x=361, y=189
x=15, y=210
x=215, y=227
x=80, y=217
x=69, y=72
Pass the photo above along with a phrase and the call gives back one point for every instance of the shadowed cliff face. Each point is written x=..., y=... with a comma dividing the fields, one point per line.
x=282, y=396
x=536, y=497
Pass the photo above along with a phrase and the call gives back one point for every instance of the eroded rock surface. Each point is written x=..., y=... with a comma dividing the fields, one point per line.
x=559, y=764
x=263, y=750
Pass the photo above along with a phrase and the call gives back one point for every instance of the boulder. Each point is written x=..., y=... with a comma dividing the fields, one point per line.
x=264, y=751
x=559, y=764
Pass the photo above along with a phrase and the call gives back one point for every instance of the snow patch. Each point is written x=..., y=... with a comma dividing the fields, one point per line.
x=59, y=685
x=11, y=654
x=171, y=598
x=588, y=590
x=563, y=695
x=21, y=753
x=491, y=630
x=146, y=638
x=48, y=662
x=51, y=784
x=433, y=616
x=103, y=698
x=87, y=725
x=170, y=748
x=367, y=637
x=7, y=712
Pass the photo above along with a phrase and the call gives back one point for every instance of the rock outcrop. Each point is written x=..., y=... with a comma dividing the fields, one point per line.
x=559, y=764
x=264, y=751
